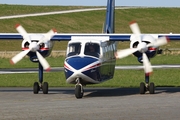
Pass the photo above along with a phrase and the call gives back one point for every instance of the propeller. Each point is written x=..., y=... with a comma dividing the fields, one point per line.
x=33, y=46
x=23, y=32
x=142, y=47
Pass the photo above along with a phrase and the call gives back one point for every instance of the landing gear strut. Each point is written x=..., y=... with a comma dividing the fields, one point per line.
x=144, y=87
x=79, y=92
x=43, y=86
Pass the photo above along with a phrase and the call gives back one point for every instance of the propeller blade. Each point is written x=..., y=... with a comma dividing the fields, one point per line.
x=136, y=31
x=135, y=28
x=23, y=32
x=43, y=61
x=147, y=64
x=125, y=52
x=159, y=42
x=47, y=36
x=18, y=57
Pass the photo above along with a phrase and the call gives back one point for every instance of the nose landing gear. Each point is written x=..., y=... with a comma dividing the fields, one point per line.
x=79, y=92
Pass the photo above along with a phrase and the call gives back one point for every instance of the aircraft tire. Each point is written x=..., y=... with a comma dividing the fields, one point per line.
x=78, y=92
x=151, y=88
x=45, y=88
x=36, y=88
x=142, y=88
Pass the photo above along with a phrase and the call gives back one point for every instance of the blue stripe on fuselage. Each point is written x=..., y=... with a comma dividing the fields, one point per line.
x=78, y=62
x=93, y=74
x=68, y=73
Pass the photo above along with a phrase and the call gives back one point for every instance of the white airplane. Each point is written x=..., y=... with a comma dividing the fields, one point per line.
x=90, y=58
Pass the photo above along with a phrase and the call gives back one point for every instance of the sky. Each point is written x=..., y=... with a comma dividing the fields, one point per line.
x=144, y=3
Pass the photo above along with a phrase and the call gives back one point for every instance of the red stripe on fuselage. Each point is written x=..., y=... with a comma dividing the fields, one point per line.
x=65, y=66
x=94, y=66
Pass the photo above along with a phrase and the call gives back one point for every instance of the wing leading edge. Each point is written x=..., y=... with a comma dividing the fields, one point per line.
x=138, y=67
x=68, y=37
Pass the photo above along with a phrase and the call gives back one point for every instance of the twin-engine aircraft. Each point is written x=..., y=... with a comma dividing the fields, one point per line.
x=90, y=58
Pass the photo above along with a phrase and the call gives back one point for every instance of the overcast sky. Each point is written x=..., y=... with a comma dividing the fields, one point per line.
x=148, y=3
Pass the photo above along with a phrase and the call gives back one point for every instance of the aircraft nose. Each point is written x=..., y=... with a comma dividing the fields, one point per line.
x=80, y=62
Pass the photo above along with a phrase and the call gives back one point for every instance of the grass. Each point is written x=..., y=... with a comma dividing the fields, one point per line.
x=6, y=9
x=122, y=78
x=59, y=61
x=151, y=20
x=159, y=59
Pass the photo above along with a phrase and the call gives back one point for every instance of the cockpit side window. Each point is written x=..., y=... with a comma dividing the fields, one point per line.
x=92, y=49
x=74, y=49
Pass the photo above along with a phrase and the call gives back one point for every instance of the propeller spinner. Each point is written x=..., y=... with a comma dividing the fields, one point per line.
x=142, y=47
x=33, y=47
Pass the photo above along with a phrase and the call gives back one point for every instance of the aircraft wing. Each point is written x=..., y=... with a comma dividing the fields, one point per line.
x=10, y=36
x=68, y=37
x=138, y=67
x=107, y=37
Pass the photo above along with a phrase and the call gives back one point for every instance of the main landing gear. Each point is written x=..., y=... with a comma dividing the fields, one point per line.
x=79, y=91
x=44, y=86
x=144, y=87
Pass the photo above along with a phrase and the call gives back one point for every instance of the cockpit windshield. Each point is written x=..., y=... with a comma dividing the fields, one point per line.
x=92, y=49
x=74, y=49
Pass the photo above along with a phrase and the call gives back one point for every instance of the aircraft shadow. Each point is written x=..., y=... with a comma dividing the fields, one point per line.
x=109, y=92
x=127, y=91
x=160, y=90
x=96, y=92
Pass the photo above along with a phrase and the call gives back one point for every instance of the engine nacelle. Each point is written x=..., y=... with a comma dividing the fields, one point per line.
x=151, y=52
x=44, y=49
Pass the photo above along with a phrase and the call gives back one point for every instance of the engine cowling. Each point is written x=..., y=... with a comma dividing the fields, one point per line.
x=44, y=48
x=151, y=52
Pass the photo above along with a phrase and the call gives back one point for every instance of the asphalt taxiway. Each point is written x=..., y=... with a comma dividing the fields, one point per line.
x=97, y=103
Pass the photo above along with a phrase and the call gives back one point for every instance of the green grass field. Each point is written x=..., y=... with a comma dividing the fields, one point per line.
x=122, y=78
x=151, y=20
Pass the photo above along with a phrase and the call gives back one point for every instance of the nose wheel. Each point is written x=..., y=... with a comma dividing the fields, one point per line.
x=147, y=87
x=79, y=92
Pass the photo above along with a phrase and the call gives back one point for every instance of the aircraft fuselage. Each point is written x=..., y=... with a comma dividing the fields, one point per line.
x=89, y=67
